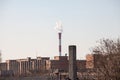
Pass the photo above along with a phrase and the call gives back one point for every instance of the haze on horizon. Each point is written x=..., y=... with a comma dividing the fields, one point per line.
x=27, y=26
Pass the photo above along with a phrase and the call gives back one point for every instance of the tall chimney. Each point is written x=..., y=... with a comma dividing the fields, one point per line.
x=60, y=34
x=72, y=63
x=59, y=30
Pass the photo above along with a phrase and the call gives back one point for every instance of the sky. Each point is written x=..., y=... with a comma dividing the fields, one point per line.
x=27, y=26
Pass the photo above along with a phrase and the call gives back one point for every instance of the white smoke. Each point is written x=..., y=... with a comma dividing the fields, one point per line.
x=58, y=27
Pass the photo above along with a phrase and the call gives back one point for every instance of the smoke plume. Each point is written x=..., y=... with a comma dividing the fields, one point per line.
x=58, y=27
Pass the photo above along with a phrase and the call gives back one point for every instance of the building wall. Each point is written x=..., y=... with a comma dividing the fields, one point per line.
x=61, y=58
x=62, y=63
x=36, y=65
x=6, y=73
x=26, y=66
x=13, y=65
x=90, y=61
x=59, y=62
x=81, y=64
x=3, y=66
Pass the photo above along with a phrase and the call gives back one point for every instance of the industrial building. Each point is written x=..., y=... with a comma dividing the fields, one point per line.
x=24, y=66
x=28, y=66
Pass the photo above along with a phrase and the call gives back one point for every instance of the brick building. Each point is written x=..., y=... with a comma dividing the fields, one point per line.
x=24, y=66
x=91, y=60
x=28, y=66
x=81, y=65
x=62, y=63
x=59, y=62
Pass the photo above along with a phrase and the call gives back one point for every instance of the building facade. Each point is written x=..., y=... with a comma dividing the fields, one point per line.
x=29, y=66
x=24, y=66
x=59, y=62
x=91, y=60
x=3, y=66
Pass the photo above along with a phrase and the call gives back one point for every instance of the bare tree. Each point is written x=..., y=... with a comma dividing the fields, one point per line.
x=108, y=60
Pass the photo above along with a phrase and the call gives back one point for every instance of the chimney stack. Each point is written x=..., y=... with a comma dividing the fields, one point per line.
x=59, y=43
x=59, y=30
x=72, y=63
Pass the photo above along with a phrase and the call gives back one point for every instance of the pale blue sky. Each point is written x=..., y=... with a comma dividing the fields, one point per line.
x=27, y=26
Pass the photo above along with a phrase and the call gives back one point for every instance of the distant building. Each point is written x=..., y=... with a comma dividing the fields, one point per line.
x=29, y=66
x=59, y=62
x=81, y=65
x=62, y=63
x=91, y=60
x=3, y=66
x=24, y=66
x=4, y=71
x=13, y=65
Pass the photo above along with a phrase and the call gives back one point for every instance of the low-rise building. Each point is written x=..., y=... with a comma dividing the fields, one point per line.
x=91, y=60
x=29, y=66
x=59, y=62
x=24, y=66
x=3, y=66
x=13, y=65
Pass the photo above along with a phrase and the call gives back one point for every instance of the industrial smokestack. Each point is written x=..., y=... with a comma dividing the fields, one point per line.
x=72, y=62
x=59, y=30
x=60, y=44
